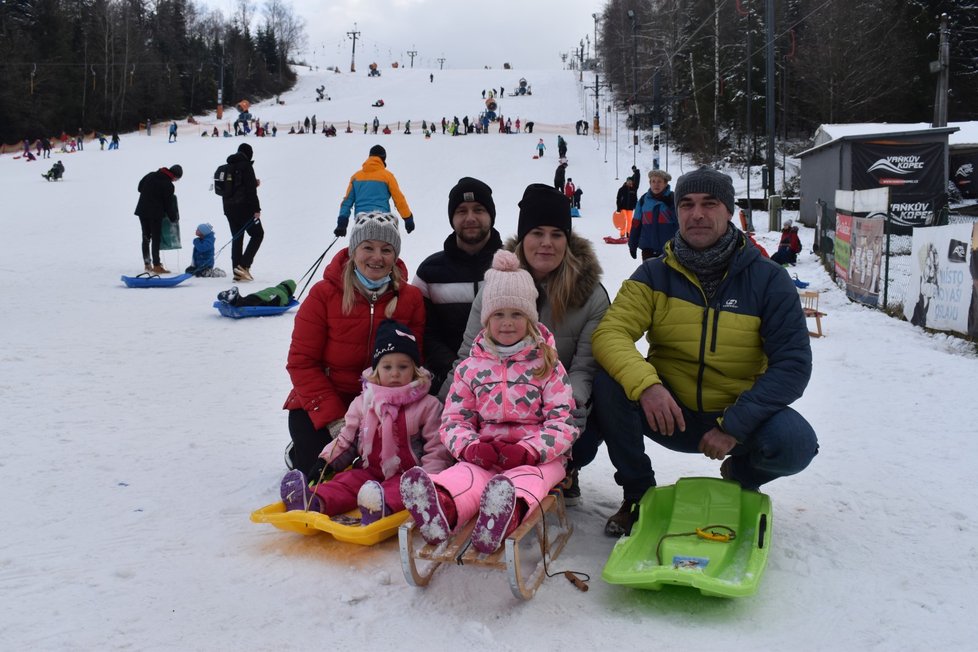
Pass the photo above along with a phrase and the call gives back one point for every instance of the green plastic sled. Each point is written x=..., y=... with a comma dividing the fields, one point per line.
x=701, y=532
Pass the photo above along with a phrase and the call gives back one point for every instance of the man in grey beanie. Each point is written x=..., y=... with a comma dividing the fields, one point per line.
x=728, y=353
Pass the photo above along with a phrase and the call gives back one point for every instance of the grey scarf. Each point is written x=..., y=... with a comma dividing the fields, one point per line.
x=709, y=265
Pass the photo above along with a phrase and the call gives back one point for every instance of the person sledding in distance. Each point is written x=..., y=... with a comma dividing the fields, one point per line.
x=371, y=189
x=790, y=245
x=507, y=419
x=277, y=295
x=392, y=426
x=202, y=263
x=56, y=172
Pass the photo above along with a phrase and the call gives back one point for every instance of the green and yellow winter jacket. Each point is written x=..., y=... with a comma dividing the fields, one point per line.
x=746, y=354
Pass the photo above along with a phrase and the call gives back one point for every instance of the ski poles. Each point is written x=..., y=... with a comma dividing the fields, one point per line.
x=234, y=237
x=311, y=271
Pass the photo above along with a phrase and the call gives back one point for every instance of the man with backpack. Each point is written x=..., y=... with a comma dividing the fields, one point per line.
x=238, y=187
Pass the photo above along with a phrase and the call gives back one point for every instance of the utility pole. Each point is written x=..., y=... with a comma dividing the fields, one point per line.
x=634, y=103
x=769, y=100
x=354, y=35
x=412, y=54
x=220, y=88
x=941, y=68
x=581, y=69
x=597, y=99
x=441, y=63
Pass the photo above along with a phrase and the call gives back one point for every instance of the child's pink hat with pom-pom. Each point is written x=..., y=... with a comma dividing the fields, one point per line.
x=508, y=286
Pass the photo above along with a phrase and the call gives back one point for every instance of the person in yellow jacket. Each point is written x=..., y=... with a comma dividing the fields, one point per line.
x=728, y=353
x=371, y=189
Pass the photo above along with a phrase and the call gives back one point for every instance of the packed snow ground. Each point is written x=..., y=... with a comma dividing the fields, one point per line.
x=140, y=429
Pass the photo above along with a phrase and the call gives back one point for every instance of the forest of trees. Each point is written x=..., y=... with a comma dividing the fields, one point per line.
x=109, y=65
x=836, y=61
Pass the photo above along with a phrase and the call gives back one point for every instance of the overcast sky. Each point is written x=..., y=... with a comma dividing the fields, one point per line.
x=528, y=34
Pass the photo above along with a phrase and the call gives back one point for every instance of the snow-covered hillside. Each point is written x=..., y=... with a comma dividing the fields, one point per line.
x=139, y=428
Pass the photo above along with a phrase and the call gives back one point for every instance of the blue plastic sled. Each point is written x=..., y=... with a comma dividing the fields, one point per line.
x=145, y=280
x=575, y=211
x=240, y=312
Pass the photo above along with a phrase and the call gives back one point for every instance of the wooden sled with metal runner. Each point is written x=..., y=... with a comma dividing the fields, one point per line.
x=524, y=555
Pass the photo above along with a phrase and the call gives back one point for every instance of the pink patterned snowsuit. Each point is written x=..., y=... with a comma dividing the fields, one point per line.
x=499, y=398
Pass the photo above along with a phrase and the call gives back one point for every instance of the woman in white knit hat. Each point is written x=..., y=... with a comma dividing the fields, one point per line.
x=335, y=327
x=507, y=420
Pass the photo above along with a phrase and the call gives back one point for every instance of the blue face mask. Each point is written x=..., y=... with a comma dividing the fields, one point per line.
x=371, y=285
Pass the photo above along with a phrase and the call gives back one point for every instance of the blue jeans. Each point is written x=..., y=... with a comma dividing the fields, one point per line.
x=782, y=445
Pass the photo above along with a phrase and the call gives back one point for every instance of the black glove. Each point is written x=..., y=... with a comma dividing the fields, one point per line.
x=634, y=253
x=319, y=470
x=339, y=231
x=409, y=224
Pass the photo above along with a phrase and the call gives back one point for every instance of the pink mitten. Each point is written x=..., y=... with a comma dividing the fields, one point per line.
x=481, y=454
x=513, y=455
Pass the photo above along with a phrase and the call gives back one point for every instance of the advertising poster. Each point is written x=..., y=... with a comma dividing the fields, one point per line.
x=941, y=292
x=843, y=237
x=865, y=256
x=914, y=173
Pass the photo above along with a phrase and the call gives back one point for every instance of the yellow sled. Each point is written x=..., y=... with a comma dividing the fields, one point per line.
x=345, y=527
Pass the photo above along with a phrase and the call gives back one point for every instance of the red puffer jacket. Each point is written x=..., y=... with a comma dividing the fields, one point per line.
x=330, y=350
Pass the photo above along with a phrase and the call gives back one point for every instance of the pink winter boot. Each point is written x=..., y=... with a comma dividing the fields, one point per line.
x=498, y=516
x=429, y=508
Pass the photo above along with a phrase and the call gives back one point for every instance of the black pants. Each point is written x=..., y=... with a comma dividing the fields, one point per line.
x=152, y=232
x=307, y=441
x=238, y=221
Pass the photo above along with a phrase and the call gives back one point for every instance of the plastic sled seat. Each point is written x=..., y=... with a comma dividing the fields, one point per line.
x=704, y=533
x=345, y=527
x=241, y=312
x=150, y=280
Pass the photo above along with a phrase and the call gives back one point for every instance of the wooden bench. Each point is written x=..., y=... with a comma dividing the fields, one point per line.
x=809, y=303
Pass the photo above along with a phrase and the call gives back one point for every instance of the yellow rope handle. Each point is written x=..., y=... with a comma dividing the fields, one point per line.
x=704, y=532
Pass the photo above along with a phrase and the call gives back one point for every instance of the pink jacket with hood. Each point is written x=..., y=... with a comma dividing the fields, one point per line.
x=393, y=427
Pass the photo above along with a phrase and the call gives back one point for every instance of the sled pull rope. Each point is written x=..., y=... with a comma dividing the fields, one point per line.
x=726, y=535
x=315, y=266
x=578, y=578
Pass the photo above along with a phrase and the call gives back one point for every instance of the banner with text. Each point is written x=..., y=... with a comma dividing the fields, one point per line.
x=943, y=289
x=914, y=173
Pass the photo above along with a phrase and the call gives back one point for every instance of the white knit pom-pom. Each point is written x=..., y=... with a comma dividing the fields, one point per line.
x=505, y=261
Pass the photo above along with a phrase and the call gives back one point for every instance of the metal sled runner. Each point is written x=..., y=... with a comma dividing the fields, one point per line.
x=548, y=525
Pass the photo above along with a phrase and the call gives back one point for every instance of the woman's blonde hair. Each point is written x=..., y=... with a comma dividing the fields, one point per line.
x=548, y=354
x=351, y=286
x=560, y=284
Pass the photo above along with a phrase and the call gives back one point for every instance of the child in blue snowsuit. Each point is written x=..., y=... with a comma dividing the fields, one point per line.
x=203, y=258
